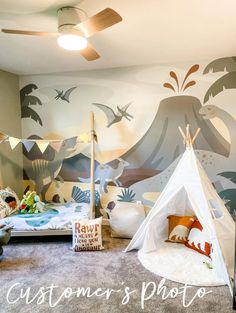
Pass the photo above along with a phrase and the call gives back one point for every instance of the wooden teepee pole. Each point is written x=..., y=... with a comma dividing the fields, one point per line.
x=188, y=141
x=195, y=136
x=188, y=138
x=92, y=185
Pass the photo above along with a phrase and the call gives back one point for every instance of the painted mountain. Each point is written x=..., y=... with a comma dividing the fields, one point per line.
x=78, y=165
x=162, y=143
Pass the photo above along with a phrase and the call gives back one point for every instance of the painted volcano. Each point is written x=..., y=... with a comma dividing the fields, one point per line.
x=162, y=143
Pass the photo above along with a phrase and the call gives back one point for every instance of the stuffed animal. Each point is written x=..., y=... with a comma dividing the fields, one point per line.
x=5, y=234
x=38, y=205
x=31, y=203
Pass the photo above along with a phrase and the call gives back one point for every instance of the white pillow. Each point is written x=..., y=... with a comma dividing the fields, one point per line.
x=10, y=207
x=125, y=218
x=87, y=235
x=4, y=209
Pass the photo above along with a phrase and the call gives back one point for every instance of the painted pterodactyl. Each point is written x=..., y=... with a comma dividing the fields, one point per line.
x=64, y=95
x=113, y=117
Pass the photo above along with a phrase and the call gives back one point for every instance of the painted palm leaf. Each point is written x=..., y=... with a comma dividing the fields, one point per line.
x=27, y=90
x=228, y=81
x=30, y=113
x=27, y=100
x=77, y=194
x=127, y=195
x=221, y=65
x=30, y=100
x=229, y=196
x=230, y=175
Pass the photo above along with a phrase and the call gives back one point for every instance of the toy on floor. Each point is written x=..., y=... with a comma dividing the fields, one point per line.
x=31, y=204
x=5, y=235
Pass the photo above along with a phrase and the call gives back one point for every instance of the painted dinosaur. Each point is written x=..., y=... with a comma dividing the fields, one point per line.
x=105, y=174
x=115, y=117
x=211, y=111
x=43, y=172
x=64, y=95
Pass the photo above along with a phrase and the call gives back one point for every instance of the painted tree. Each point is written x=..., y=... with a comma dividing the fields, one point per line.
x=27, y=100
x=227, y=81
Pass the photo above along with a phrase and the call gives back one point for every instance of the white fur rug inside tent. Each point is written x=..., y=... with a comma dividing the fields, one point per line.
x=178, y=263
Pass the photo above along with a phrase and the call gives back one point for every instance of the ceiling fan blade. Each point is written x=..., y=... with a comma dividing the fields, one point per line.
x=89, y=53
x=98, y=22
x=28, y=32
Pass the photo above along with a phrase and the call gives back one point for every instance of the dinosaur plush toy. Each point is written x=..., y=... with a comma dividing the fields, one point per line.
x=31, y=203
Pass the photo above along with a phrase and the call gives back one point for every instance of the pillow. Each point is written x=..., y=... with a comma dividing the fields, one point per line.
x=87, y=235
x=179, y=227
x=4, y=208
x=125, y=218
x=11, y=200
x=198, y=239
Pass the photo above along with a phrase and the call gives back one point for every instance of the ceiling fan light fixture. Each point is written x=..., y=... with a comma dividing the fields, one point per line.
x=72, y=42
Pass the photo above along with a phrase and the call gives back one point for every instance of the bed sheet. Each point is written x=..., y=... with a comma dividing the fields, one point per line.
x=55, y=217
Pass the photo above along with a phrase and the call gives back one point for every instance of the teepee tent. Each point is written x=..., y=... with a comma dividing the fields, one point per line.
x=188, y=192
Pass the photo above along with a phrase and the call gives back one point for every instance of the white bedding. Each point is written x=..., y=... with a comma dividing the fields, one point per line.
x=55, y=217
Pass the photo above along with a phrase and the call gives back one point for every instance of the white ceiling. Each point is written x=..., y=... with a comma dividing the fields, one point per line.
x=152, y=31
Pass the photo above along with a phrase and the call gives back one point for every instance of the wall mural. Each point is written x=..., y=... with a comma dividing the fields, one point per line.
x=44, y=171
x=144, y=165
x=113, y=117
x=105, y=174
x=27, y=100
x=227, y=81
x=42, y=168
x=64, y=95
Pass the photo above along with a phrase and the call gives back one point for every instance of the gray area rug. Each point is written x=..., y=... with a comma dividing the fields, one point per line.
x=40, y=262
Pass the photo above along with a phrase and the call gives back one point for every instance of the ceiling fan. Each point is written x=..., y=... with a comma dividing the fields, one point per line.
x=73, y=31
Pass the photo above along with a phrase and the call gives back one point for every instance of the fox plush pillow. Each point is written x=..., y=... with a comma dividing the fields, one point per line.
x=198, y=239
x=179, y=227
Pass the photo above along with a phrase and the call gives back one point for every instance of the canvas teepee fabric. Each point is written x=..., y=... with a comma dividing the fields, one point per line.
x=189, y=191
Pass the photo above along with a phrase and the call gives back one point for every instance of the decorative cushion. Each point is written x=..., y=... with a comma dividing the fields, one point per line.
x=87, y=235
x=11, y=200
x=198, y=239
x=4, y=209
x=125, y=218
x=179, y=227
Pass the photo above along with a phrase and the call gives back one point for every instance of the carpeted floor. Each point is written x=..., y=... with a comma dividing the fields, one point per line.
x=37, y=263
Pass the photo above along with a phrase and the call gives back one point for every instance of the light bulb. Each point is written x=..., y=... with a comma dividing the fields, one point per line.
x=72, y=42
